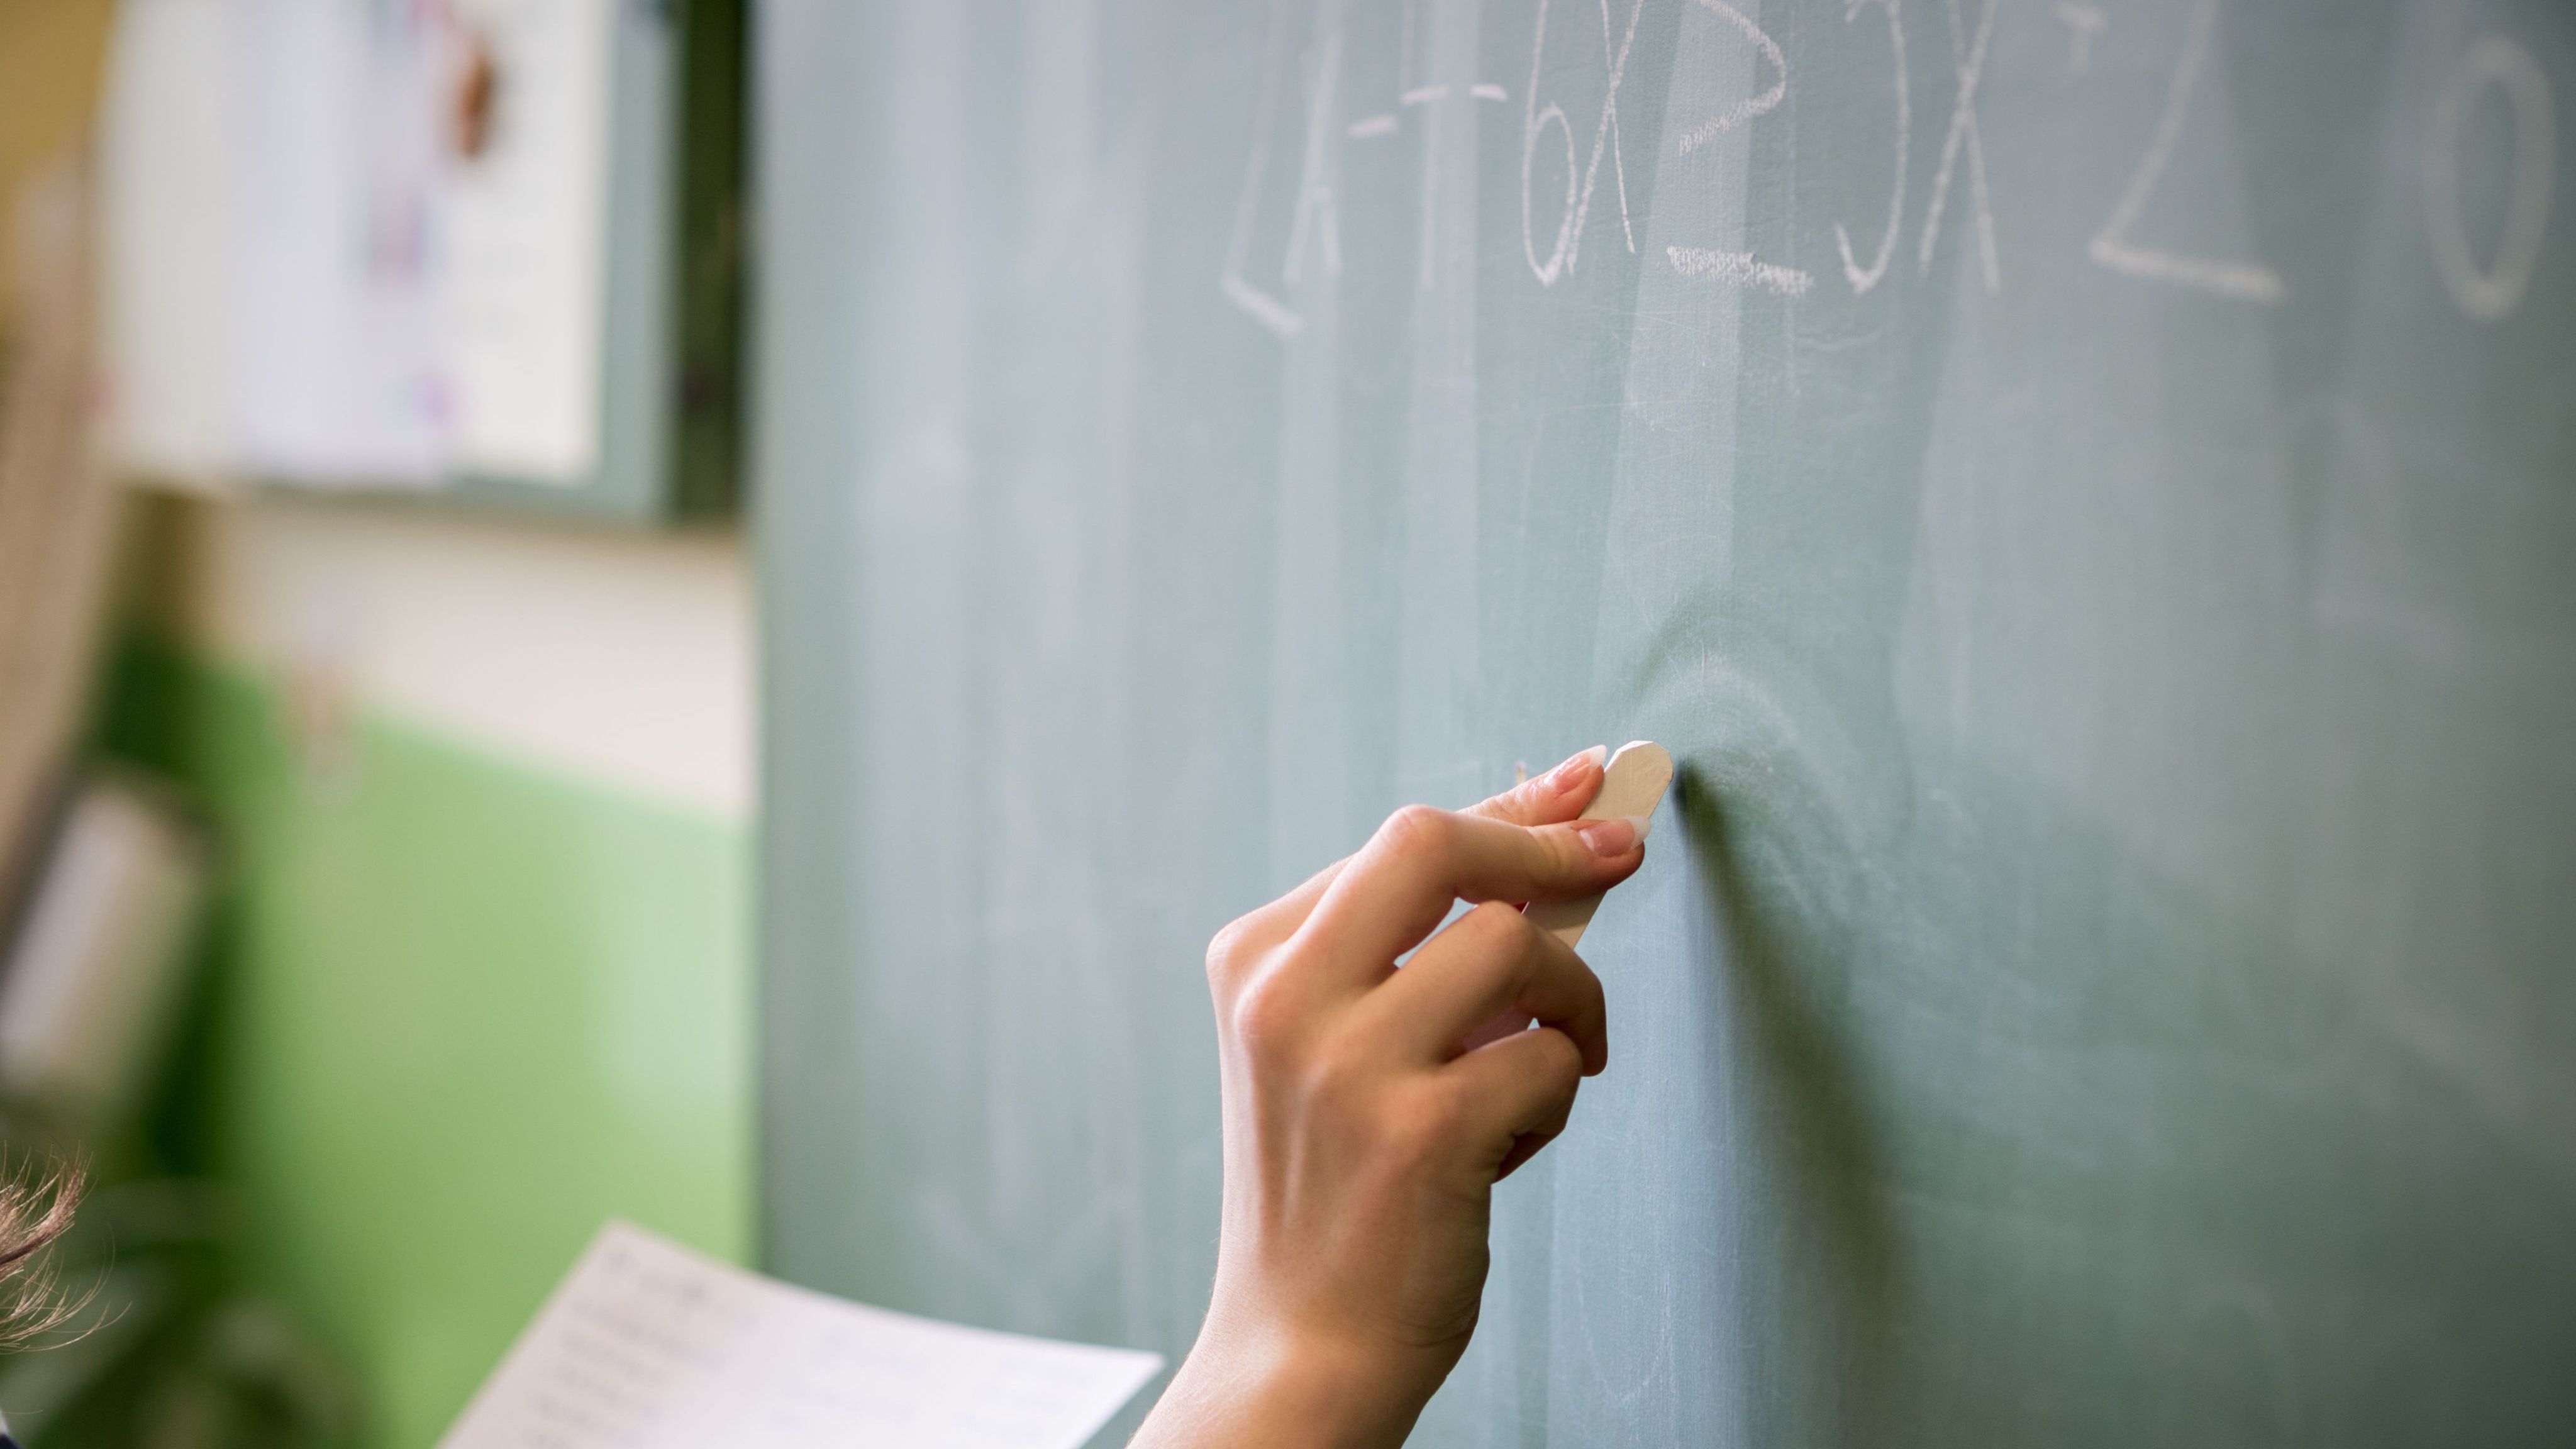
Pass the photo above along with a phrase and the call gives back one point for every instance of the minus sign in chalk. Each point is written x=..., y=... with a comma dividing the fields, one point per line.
x=1631, y=785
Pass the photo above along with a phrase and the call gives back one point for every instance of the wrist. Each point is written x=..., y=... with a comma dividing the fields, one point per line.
x=1258, y=1385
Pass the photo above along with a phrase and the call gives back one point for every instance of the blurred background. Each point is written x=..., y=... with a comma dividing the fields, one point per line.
x=2101, y=977
x=374, y=876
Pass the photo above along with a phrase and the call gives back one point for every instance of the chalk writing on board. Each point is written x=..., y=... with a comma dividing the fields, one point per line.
x=1605, y=139
x=1752, y=105
x=2491, y=292
x=1742, y=269
x=2245, y=281
x=1302, y=231
x=1328, y=116
x=1316, y=216
x=1426, y=100
x=1863, y=278
x=1260, y=306
x=1968, y=58
x=1739, y=269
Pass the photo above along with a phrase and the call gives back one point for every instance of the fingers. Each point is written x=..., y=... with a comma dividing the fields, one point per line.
x=1257, y=931
x=1553, y=798
x=1492, y=962
x=1559, y=795
x=1521, y=1090
x=1402, y=882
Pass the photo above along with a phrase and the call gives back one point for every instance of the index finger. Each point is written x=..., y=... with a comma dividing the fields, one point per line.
x=1402, y=882
x=1559, y=795
x=1556, y=796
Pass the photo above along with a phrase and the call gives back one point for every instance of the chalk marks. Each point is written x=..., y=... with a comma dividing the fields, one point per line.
x=1968, y=59
x=2083, y=20
x=1231, y=283
x=1609, y=128
x=1753, y=105
x=1577, y=206
x=2111, y=247
x=2490, y=293
x=1739, y=269
x=1260, y=306
x=1308, y=225
x=1316, y=215
x=1861, y=278
x=1301, y=232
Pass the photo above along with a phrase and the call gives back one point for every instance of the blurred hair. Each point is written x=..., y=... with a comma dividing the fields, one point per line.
x=35, y=1209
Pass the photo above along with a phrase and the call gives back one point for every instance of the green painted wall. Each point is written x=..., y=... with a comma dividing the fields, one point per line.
x=460, y=1011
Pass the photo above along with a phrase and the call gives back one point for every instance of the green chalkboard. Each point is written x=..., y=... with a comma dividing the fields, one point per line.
x=2086, y=492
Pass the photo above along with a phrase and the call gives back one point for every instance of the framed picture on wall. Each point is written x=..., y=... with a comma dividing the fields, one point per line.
x=482, y=251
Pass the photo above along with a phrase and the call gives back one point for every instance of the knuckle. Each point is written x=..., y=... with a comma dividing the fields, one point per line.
x=1416, y=830
x=1498, y=932
x=1560, y=1061
x=1263, y=1018
x=1567, y=856
x=1229, y=950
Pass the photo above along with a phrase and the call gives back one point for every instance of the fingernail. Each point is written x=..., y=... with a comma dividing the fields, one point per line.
x=1610, y=837
x=1563, y=776
x=1645, y=825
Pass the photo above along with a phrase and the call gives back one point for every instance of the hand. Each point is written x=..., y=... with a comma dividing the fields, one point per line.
x=1363, y=1136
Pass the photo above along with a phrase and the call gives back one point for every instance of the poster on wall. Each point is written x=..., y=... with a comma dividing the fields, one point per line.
x=358, y=245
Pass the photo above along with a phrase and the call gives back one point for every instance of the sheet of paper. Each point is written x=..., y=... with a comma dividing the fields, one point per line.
x=647, y=1345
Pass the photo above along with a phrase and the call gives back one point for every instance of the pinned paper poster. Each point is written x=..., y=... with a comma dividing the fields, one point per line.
x=647, y=1345
x=359, y=245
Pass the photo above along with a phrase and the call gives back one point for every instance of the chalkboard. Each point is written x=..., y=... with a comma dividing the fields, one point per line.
x=2085, y=491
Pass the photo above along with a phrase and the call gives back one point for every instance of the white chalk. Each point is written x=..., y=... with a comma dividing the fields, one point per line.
x=1631, y=787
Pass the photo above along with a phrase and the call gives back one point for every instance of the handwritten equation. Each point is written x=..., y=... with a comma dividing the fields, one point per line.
x=1573, y=166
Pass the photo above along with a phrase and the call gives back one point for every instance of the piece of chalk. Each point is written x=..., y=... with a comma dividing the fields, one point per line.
x=1631, y=786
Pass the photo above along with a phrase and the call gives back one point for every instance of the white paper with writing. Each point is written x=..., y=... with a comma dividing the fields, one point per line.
x=647, y=1345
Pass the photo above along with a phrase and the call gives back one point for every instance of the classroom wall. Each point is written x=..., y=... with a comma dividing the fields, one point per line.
x=479, y=976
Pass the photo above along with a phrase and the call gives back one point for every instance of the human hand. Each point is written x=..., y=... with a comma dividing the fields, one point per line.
x=1363, y=1133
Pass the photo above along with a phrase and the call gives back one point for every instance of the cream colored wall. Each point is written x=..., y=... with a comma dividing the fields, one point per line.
x=622, y=660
